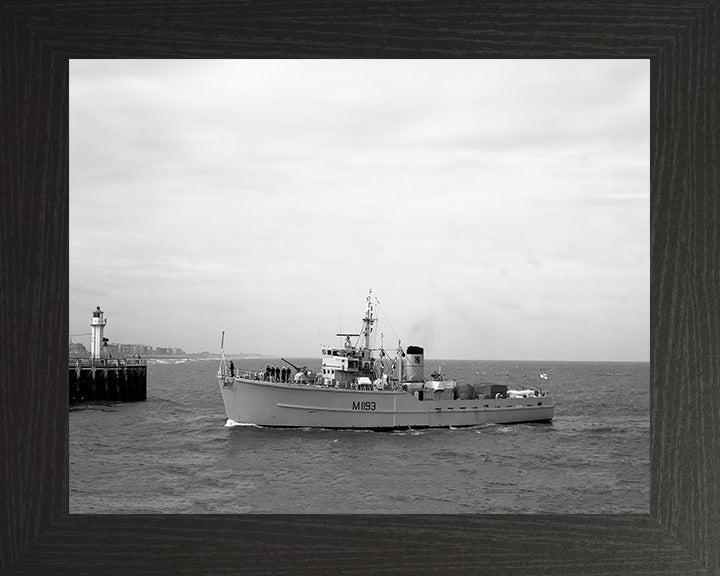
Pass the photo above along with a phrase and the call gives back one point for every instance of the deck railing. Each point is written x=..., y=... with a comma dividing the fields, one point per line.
x=105, y=362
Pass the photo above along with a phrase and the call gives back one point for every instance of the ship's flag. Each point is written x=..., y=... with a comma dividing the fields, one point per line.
x=543, y=375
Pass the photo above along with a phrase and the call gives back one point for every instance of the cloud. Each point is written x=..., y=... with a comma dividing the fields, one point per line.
x=254, y=192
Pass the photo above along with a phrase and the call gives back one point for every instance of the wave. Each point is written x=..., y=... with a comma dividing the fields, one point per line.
x=408, y=432
x=601, y=430
x=101, y=405
x=231, y=424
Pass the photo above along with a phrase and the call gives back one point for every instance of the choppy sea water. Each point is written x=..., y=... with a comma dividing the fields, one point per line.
x=174, y=454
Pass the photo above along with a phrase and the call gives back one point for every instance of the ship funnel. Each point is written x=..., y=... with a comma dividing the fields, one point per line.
x=414, y=364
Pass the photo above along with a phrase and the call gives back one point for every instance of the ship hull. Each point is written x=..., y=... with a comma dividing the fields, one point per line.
x=291, y=405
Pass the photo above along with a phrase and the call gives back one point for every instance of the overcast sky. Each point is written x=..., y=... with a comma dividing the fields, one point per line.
x=497, y=209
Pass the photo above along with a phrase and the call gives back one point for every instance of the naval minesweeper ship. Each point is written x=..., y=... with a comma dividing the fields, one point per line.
x=362, y=387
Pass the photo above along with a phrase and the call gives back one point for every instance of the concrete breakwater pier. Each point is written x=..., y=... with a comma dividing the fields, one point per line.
x=114, y=380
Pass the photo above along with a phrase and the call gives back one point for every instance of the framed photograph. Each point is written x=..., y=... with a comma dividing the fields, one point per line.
x=498, y=210
x=672, y=529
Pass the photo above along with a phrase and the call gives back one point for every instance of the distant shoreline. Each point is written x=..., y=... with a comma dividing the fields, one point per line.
x=208, y=356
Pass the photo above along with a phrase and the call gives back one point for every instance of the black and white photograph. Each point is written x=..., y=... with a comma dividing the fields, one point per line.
x=359, y=286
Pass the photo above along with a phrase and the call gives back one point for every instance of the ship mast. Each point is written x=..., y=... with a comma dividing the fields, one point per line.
x=368, y=321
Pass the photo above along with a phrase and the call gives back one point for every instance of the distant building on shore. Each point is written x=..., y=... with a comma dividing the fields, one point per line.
x=78, y=349
x=143, y=350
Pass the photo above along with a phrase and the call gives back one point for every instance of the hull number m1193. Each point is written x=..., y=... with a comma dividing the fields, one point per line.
x=364, y=406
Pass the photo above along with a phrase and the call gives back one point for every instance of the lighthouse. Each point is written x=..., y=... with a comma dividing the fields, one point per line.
x=97, y=323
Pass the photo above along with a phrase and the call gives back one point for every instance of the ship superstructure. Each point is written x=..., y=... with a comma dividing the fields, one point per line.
x=353, y=366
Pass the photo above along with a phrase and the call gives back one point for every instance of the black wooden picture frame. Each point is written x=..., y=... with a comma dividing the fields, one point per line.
x=681, y=535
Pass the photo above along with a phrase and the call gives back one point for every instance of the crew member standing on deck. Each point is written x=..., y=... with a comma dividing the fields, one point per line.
x=232, y=369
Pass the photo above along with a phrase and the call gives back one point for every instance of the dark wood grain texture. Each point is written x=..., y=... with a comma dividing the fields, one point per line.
x=681, y=535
